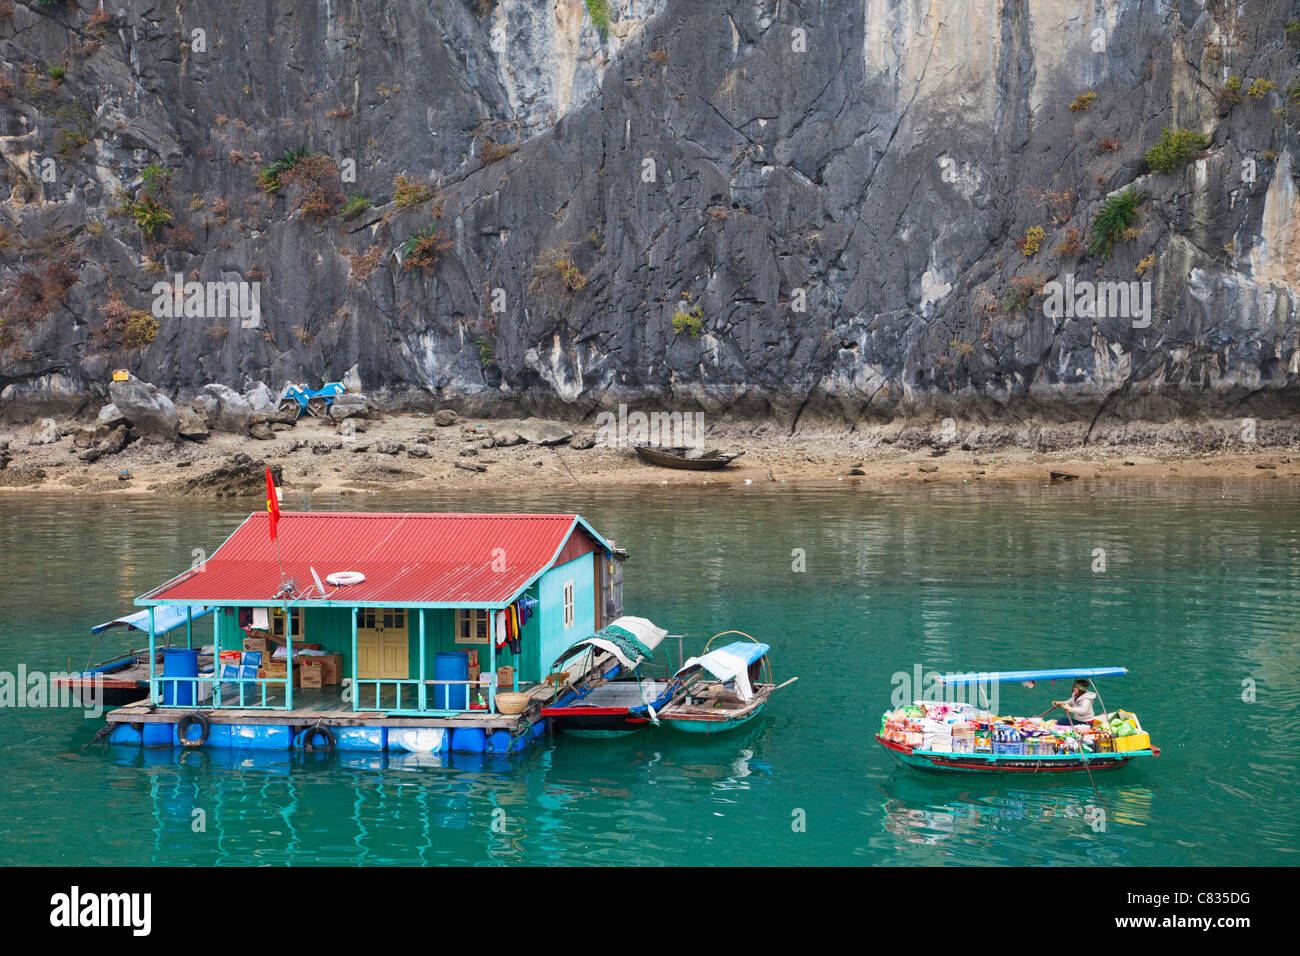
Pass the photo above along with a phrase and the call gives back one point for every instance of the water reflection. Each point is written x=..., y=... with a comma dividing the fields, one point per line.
x=1069, y=811
x=233, y=806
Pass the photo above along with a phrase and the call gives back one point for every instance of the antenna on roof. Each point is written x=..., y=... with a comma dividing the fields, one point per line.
x=319, y=587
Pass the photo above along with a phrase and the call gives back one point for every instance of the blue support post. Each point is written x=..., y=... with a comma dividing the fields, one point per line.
x=288, y=654
x=356, y=691
x=492, y=660
x=216, y=657
x=423, y=672
x=189, y=626
x=153, y=663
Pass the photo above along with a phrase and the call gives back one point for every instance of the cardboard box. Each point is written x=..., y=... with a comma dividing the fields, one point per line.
x=505, y=677
x=276, y=671
x=475, y=672
x=258, y=644
x=331, y=668
x=310, y=673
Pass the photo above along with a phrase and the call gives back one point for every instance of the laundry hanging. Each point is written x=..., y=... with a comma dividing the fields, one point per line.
x=510, y=623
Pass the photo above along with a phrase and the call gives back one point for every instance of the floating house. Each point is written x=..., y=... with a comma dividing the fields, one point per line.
x=374, y=631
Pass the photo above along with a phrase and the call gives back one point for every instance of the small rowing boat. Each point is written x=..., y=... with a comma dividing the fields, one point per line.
x=721, y=690
x=691, y=459
x=957, y=737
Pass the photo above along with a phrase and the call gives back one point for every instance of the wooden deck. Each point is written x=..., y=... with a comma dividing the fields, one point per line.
x=327, y=706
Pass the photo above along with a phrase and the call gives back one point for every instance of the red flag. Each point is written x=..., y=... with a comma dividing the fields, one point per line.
x=272, y=502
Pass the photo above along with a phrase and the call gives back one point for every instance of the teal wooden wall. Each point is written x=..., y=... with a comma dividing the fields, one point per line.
x=554, y=637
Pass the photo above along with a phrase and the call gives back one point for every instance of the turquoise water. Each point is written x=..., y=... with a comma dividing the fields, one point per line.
x=1200, y=593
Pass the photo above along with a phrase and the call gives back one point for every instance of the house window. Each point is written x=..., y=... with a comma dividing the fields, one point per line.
x=277, y=622
x=471, y=626
x=568, y=604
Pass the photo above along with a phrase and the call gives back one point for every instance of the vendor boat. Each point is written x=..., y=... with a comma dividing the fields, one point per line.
x=721, y=690
x=614, y=698
x=1078, y=748
x=124, y=679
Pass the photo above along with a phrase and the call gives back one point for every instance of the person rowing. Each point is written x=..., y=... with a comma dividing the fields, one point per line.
x=1079, y=707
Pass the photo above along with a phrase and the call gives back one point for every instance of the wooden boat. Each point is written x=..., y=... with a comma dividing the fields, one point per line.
x=691, y=459
x=615, y=699
x=124, y=679
x=1077, y=761
x=732, y=698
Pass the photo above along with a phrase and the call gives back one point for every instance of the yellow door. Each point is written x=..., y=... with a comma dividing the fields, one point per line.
x=383, y=648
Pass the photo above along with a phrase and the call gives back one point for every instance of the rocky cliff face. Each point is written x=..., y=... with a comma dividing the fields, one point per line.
x=846, y=206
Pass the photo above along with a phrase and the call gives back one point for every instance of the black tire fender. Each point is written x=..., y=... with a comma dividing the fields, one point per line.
x=329, y=742
x=183, y=726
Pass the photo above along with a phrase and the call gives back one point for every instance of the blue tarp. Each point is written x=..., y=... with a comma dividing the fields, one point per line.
x=166, y=618
x=730, y=663
x=1005, y=677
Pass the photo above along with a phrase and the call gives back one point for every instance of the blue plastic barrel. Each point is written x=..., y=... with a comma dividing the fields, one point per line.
x=179, y=662
x=451, y=666
x=469, y=740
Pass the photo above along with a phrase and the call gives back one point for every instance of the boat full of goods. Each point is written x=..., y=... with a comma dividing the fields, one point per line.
x=960, y=737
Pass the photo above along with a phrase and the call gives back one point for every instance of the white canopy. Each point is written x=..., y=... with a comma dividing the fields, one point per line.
x=730, y=663
x=609, y=638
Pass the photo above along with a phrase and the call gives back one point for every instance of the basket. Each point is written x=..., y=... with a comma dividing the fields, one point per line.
x=511, y=703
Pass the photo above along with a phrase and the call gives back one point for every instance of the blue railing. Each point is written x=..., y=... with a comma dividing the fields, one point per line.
x=417, y=700
x=256, y=686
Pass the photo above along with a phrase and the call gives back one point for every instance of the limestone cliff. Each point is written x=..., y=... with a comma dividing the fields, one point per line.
x=850, y=206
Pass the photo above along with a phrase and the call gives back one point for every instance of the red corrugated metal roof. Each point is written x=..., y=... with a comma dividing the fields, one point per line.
x=407, y=559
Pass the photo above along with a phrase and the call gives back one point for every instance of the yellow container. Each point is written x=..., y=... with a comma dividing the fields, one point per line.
x=1139, y=741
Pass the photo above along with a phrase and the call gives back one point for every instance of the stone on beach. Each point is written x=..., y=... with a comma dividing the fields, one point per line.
x=149, y=411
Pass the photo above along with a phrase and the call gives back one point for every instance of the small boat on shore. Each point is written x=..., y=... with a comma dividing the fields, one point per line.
x=721, y=690
x=614, y=699
x=955, y=737
x=691, y=459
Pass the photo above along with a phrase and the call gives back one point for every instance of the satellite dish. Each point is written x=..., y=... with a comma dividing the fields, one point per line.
x=319, y=587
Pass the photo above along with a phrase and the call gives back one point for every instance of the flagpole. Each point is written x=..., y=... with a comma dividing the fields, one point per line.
x=273, y=518
x=280, y=560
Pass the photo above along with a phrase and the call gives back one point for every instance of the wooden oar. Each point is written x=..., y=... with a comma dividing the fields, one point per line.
x=786, y=684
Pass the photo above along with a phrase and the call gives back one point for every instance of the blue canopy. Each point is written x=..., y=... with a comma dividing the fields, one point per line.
x=167, y=617
x=1006, y=677
x=728, y=664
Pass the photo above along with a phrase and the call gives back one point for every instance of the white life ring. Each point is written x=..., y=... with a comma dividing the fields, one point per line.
x=342, y=578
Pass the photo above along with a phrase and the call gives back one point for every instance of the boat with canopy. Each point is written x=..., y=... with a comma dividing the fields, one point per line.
x=124, y=679
x=615, y=698
x=721, y=689
x=958, y=737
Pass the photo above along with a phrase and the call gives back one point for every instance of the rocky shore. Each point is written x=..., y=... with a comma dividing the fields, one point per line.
x=218, y=444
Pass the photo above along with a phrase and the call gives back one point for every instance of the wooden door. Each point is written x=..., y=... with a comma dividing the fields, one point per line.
x=383, y=646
